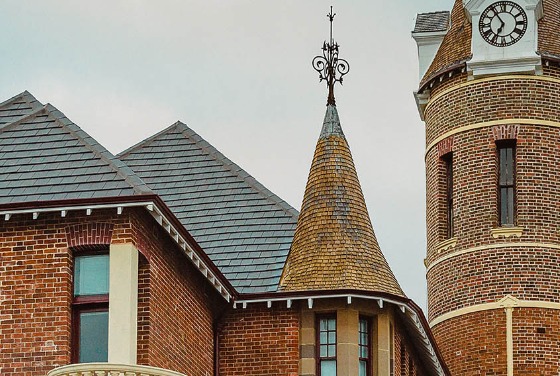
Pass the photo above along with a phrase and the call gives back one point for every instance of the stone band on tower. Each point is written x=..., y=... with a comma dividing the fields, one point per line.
x=490, y=99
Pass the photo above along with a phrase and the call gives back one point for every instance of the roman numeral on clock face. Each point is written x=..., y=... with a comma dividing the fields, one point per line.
x=503, y=23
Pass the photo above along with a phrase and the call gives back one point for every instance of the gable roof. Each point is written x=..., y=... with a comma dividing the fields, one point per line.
x=334, y=245
x=245, y=229
x=44, y=156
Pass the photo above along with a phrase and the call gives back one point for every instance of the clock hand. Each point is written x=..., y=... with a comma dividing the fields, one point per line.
x=501, y=28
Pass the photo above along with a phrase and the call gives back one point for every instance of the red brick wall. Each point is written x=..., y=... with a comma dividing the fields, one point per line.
x=181, y=305
x=176, y=305
x=35, y=296
x=407, y=363
x=260, y=341
x=475, y=343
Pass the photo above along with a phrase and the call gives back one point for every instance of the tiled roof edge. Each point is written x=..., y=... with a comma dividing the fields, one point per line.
x=116, y=164
x=234, y=168
x=27, y=96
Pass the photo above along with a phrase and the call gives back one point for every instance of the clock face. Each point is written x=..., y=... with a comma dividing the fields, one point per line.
x=503, y=23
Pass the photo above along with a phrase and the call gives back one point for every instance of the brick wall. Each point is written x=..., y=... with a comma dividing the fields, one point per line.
x=260, y=341
x=182, y=305
x=407, y=362
x=176, y=306
x=475, y=343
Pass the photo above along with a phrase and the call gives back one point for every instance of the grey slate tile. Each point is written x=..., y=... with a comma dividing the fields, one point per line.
x=244, y=228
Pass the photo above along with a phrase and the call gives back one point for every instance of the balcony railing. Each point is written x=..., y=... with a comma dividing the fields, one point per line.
x=107, y=369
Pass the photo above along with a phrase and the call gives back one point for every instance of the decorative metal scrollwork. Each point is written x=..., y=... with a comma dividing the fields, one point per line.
x=331, y=69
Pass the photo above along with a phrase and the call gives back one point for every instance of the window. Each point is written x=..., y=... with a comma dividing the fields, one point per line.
x=448, y=168
x=364, y=344
x=506, y=183
x=326, y=345
x=90, y=308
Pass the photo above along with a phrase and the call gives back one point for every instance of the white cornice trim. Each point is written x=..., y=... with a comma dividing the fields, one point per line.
x=491, y=306
x=491, y=246
x=158, y=215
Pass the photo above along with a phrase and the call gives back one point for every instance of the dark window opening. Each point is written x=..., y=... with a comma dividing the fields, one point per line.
x=449, y=219
x=506, y=183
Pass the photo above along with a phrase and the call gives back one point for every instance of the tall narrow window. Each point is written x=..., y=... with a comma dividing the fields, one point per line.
x=90, y=308
x=448, y=166
x=364, y=344
x=326, y=341
x=506, y=183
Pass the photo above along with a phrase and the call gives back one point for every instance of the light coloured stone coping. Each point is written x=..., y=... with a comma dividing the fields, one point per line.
x=108, y=369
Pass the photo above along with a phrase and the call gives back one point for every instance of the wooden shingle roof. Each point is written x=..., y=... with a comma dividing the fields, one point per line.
x=334, y=245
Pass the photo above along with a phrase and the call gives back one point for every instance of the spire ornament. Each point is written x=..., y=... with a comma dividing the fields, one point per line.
x=331, y=69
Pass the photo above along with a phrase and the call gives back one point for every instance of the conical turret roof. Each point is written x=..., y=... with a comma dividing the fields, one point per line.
x=334, y=245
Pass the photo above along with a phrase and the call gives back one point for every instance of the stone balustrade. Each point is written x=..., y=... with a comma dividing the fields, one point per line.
x=107, y=369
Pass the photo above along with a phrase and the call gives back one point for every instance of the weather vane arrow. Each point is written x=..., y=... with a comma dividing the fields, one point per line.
x=331, y=69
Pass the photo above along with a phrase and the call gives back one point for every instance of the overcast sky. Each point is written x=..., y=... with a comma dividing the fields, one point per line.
x=239, y=73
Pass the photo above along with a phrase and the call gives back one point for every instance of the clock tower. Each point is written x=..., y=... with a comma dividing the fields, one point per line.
x=490, y=100
x=504, y=37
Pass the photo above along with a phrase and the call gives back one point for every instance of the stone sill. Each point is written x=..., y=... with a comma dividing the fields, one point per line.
x=107, y=369
x=507, y=232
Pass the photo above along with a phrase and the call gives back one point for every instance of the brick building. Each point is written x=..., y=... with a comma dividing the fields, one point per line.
x=490, y=98
x=168, y=259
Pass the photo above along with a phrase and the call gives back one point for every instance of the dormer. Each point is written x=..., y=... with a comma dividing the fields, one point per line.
x=504, y=36
x=429, y=31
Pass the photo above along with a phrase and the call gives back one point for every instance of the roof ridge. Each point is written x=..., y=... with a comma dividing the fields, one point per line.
x=23, y=94
x=23, y=118
x=99, y=150
x=147, y=141
x=238, y=171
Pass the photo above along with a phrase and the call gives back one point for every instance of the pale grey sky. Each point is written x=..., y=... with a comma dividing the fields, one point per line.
x=238, y=72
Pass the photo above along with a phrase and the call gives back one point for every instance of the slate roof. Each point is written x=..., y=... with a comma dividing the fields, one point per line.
x=334, y=245
x=432, y=22
x=245, y=229
x=44, y=156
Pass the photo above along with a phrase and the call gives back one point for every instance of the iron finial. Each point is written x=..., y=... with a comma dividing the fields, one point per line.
x=329, y=65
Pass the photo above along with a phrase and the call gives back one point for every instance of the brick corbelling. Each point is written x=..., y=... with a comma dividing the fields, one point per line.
x=260, y=341
x=494, y=100
x=489, y=275
x=84, y=235
x=474, y=344
x=475, y=189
